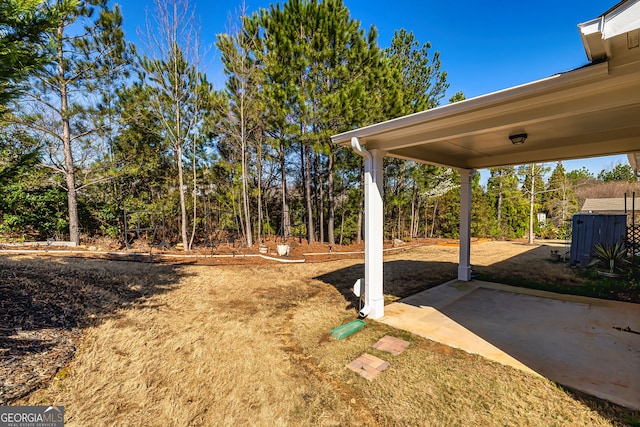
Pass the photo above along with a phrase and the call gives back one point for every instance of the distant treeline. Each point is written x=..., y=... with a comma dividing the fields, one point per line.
x=95, y=126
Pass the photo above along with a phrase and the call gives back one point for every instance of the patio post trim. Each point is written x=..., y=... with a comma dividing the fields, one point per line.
x=464, y=265
x=373, y=230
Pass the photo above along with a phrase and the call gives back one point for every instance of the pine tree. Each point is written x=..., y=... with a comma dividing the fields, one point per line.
x=620, y=172
x=317, y=61
x=423, y=83
x=25, y=27
x=509, y=203
x=420, y=84
x=59, y=102
x=180, y=95
x=242, y=113
x=559, y=201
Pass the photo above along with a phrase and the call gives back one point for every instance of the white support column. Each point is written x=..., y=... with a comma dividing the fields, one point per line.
x=373, y=235
x=464, y=265
x=373, y=231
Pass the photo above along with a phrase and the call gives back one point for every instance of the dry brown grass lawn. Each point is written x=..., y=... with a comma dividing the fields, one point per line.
x=249, y=345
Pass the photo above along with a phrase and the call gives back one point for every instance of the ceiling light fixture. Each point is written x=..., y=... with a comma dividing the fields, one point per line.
x=518, y=139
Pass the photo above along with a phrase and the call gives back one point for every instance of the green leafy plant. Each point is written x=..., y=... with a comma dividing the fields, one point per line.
x=612, y=257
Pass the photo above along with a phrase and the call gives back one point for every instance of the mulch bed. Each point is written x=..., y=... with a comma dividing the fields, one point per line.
x=44, y=305
x=39, y=332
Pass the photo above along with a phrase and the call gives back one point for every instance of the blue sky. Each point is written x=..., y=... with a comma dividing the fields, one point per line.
x=484, y=46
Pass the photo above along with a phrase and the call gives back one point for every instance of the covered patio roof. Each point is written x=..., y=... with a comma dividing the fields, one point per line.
x=586, y=112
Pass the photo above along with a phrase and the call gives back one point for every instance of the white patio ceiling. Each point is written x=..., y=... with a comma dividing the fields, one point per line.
x=587, y=112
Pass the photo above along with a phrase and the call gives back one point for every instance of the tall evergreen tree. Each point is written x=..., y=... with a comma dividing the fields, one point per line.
x=180, y=95
x=508, y=201
x=317, y=60
x=423, y=83
x=140, y=151
x=420, y=85
x=241, y=115
x=559, y=201
x=578, y=177
x=620, y=172
x=26, y=25
x=89, y=46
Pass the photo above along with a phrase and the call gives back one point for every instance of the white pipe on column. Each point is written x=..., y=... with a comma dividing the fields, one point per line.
x=355, y=144
x=366, y=156
x=374, y=235
x=374, y=222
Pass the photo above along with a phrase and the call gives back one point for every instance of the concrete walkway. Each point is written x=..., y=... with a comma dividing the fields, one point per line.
x=575, y=341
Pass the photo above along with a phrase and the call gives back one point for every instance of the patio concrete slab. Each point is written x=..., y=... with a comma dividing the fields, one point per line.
x=575, y=341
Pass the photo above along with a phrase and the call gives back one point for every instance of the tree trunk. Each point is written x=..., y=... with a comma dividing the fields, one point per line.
x=245, y=189
x=531, y=203
x=195, y=194
x=342, y=225
x=320, y=193
x=286, y=216
x=433, y=220
x=426, y=218
x=237, y=214
x=245, y=200
x=69, y=174
x=413, y=214
x=178, y=149
x=332, y=203
x=183, y=204
x=499, y=218
x=399, y=223
x=307, y=184
x=416, y=225
x=565, y=202
x=267, y=216
x=259, y=172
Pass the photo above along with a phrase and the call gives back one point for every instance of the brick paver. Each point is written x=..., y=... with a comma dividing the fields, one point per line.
x=391, y=344
x=368, y=366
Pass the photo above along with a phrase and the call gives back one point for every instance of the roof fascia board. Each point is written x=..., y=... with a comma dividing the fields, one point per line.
x=623, y=18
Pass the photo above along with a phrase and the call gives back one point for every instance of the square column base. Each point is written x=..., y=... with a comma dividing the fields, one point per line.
x=464, y=273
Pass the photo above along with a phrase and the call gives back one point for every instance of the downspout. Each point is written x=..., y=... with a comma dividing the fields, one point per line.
x=355, y=144
x=357, y=289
